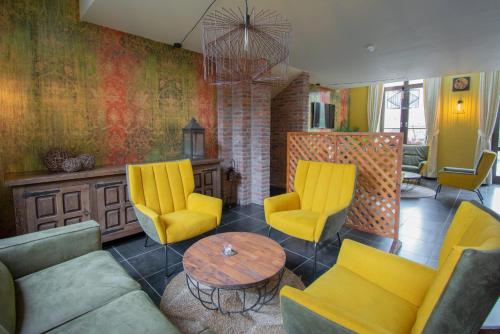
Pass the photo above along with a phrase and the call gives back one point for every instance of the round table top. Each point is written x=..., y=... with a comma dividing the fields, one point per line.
x=411, y=175
x=257, y=259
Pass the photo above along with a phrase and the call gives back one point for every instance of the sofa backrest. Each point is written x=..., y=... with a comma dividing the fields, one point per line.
x=7, y=301
x=413, y=155
x=163, y=187
x=467, y=282
x=324, y=186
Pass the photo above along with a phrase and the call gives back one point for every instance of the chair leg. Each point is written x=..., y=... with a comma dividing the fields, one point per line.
x=438, y=190
x=269, y=231
x=314, y=264
x=340, y=240
x=146, y=241
x=479, y=195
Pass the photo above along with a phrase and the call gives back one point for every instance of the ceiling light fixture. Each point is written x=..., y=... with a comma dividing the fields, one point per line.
x=242, y=46
x=370, y=47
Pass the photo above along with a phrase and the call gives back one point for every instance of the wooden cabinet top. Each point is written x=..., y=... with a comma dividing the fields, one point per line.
x=22, y=179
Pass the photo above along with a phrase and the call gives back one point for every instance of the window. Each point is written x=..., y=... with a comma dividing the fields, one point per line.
x=403, y=110
x=495, y=146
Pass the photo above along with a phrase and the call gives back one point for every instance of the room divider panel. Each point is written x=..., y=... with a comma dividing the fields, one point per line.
x=378, y=156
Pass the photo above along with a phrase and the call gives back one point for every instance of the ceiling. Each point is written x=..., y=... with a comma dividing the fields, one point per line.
x=412, y=39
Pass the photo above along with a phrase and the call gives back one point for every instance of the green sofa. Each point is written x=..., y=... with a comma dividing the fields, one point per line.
x=60, y=281
x=415, y=158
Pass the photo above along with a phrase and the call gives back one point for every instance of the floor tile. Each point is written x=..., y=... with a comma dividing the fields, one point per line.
x=243, y=225
x=275, y=235
x=114, y=253
x=154, y=261
x=181, y=247
x=259, y=215
x=328, y=254
x=159, y=281
x=305, y=271
x=130, y=270
x=133, y=246
x=248, y=209
x=301, y=247
x=230, y=216
x=293, y=260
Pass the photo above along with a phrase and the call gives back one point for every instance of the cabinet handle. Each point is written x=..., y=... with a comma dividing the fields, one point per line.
x=28, y=194
x=107, y=184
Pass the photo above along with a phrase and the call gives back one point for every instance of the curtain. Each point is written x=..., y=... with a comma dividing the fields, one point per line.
x=432, y=107
x=489, y=102
x=374, y=107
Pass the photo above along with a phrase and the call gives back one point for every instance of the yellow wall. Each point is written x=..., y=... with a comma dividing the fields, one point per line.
x=457, y=131
x=358, y=98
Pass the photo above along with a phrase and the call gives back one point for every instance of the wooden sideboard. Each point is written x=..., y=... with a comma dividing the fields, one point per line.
x=43, y=200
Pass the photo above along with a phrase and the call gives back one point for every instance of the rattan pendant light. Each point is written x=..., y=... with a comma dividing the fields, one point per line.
x=241, y=46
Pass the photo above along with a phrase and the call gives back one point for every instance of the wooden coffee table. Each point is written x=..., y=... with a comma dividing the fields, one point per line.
x=258, y=264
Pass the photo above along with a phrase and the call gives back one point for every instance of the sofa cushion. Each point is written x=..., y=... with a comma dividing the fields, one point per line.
x=131, y=313
x=187, y=224
x=414, y=154
x=53, y=296
x=7, y=301
x=349, y=293
x=297, y=223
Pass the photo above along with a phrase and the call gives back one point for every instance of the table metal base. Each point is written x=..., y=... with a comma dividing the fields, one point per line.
x=210, y=298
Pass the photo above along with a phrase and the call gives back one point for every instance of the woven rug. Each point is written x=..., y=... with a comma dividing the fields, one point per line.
x=416, y=191
x=187, y=313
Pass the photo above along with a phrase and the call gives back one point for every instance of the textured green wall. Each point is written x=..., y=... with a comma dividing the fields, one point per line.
x=64, y=83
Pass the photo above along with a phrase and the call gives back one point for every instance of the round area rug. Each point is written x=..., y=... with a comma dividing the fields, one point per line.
x=189, y=316
x=417, y=191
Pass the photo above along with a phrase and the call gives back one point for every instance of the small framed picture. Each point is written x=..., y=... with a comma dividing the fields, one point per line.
x=461, y=84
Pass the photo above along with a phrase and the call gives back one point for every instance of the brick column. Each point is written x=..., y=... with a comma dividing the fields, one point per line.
x=244, y=135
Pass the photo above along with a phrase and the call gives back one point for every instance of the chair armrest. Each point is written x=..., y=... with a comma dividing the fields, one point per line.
x=32, y=252
x=330, y=223
x=284, y=202
x=459, y=170
x=205, y=204
x=422, y=167
x=151, y=223
x=304, y=313
x=404, y=278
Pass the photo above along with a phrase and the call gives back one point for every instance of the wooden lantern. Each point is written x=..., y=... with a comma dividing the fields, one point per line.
x=193, y=137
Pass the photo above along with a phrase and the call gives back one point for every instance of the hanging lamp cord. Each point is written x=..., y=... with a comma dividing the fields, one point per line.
x=197, y=22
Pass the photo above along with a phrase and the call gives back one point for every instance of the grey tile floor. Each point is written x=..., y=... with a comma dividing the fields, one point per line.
x=423, y=225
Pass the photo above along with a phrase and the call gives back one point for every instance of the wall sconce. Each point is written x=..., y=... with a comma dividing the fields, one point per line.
x=460, y=107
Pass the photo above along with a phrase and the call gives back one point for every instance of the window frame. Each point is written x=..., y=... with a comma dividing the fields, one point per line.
x=495, y=147
x=405, y=108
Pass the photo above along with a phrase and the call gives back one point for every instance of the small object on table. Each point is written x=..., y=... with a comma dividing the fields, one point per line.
x=87, y=161
x=71, y=165
x=258, y=265
x=54, y=159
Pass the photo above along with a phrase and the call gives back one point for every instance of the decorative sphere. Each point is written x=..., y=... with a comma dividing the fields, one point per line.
x=54, y=159
x=72, y=165
x=87, y=161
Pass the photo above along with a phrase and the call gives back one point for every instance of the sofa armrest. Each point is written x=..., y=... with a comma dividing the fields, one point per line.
x=32, y=252
x=284, y=202
x=458, y=180
x=205, y=204
x=304, y=313
x=404, y=278
x=422, y=167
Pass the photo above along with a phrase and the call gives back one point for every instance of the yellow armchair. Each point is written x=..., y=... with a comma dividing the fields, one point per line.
x=166, y=206
x=370, y=291
x=465, y=178
x=317, y=209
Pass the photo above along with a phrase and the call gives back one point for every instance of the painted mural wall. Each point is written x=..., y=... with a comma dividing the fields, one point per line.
x=65, y=83
x=338, y=97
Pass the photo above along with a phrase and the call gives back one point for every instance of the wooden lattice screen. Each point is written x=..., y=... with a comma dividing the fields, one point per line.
x=375, y=208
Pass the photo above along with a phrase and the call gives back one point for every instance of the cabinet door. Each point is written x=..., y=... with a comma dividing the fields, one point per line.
x=114, y=210
x=209, y=181
x=60, y=206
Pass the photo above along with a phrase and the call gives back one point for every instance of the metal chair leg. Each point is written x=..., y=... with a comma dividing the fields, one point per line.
x=479, y=195
x=146, y=241
x=269, y=231
x=340, y=241
x=314, y=264
x=438, y=190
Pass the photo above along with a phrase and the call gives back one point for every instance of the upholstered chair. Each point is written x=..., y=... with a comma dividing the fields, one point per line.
x=318, y=207
x=166, y=206
x=415, y=158
x=370, y=291
x=465, y=178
